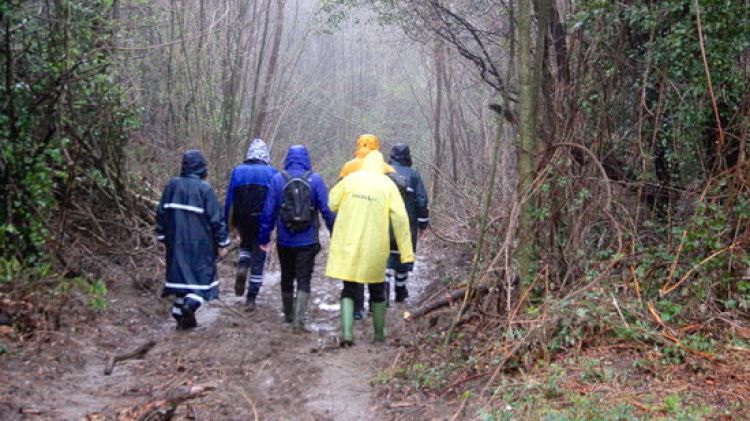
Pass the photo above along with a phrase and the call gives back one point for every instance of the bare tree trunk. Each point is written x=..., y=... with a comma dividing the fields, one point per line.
x=258, y=68
x=560, y=44
x=235, y=61
x=452, y=129
x=169, y=127
x=273, y=59
x=528, y=92
x=439, y=58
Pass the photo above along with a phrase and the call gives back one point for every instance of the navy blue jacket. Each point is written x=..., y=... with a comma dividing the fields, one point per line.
x=296, y=164
x=189, y=222
x=415, y=197
x=246, y=194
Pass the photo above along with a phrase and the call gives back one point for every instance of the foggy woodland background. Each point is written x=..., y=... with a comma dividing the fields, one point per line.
x=214, y=75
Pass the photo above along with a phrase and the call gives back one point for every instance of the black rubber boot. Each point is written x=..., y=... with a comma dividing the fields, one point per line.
x=250, y=305
x=287, y=302
x=401, y=294
x=378, y=321
x=180, y=322
x=188, y=320
x=177, y=314
x=240, y=279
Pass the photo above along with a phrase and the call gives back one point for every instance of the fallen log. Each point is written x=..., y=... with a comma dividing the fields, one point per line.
x=139, y=352
x=159, y=409
x=440, y=301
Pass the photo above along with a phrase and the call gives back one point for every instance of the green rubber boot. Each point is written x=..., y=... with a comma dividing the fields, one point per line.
x=300, y=308
x=347, y=322
x=287, y=301
x=378, y=320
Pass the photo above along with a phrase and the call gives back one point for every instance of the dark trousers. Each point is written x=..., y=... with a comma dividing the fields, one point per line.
x=355, y=291
x=251, y=256
x=297, y=263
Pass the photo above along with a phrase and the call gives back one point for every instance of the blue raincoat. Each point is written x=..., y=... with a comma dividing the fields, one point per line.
x=190, y=223
x=297, y=162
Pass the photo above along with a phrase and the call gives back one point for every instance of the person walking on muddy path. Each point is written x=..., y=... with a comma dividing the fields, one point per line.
x=295, y=198
x=190, y=224
x=416, y=202
x=365, y=201
x=366, y=143
x=243, y=208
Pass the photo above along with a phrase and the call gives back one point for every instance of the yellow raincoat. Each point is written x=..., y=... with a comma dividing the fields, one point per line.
x=360, y=243
x=365, y=144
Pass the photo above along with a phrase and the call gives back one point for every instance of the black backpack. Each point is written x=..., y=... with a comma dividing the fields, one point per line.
x=404, y=187
x=400, y=181
x=297, y=211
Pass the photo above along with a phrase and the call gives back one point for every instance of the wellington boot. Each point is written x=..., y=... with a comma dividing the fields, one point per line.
x=300, y=308
x=287, y=301
x=250, y=304
x=188, y=321
x=401, y=294
x=378, y=320
x=347, y=322
x=240, y=279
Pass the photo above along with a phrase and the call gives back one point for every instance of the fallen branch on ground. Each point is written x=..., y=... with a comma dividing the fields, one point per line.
x=139, y=352
x=160, y=409
x=440, y=301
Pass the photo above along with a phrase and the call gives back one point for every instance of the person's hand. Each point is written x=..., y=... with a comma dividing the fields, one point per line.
x=223, y=252
x=265, y=247
x=422, y=234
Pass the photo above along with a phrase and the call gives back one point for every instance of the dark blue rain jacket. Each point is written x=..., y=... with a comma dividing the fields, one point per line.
x=246, y=194
x=415, y=196
x=190, y=223
x=296, y=164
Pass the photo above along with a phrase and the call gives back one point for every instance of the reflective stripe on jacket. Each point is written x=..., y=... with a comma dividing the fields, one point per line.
x=190, y=223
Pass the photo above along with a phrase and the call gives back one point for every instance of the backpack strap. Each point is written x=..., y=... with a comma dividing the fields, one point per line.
x=286, y=175
x=305, y=176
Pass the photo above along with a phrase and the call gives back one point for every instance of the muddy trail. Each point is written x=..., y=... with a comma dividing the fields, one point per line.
x=253, y=365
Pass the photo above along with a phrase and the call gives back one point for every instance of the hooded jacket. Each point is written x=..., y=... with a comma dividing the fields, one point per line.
x=247, y=188
x=365, y=144
x=364, y=202
x=297, y=162
x=190, y=224
x=415, y=195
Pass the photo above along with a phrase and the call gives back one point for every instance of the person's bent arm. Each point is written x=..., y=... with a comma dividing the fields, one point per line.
x=400, y=224
x=270, y=212
x=423, y=210
x=216, y=220
x=161, y=218
x=229, y=200
x=335, y=196
x=321, y=201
